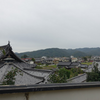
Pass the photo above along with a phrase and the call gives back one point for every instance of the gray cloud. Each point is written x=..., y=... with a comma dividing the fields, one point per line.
x=38, y=24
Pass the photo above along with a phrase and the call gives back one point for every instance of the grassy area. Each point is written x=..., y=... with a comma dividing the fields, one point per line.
x=49, y=67
x=87, y=63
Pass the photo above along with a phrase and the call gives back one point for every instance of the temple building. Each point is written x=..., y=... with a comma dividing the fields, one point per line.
x=28, y=76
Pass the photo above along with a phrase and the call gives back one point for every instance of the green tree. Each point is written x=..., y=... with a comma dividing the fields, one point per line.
x=3, y=51
x=94, y=75
x=85, y=58
x=9, y=79
x=60, y=76
x=76, y=71
x=33, y=60
x=24, y=56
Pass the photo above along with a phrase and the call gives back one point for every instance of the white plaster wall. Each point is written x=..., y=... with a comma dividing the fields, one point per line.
x=13, y=96
x=68, y=94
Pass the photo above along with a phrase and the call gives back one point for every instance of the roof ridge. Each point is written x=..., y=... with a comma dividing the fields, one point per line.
x=26, y=72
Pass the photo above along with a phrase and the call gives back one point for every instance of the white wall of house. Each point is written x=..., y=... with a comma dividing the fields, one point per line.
x=68, y=94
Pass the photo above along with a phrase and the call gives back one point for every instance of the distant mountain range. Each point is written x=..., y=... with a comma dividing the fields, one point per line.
x=56, y=52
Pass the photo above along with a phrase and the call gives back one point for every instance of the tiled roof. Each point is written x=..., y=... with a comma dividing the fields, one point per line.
x=29, y=77
x=75, y=63
x=64, y=63
x=83, y=66
x=25, y=79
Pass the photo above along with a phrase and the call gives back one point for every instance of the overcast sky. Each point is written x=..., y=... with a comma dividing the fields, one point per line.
x=39, y=24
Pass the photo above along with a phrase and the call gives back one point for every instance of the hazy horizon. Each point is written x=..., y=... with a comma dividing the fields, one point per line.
x=56, y=48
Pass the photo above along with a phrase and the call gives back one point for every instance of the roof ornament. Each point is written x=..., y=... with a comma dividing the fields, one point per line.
x=9, y=45
x=9, y=42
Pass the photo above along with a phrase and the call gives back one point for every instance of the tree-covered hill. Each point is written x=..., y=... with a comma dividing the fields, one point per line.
x=53, y=52
x=56, y=52
x=90, y=51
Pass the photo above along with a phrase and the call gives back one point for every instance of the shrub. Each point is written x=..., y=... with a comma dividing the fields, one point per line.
x=60, y=76
x=78, y=70
x=9, y=79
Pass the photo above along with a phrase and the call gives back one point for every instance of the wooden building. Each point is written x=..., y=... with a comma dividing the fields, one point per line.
x=9, y=60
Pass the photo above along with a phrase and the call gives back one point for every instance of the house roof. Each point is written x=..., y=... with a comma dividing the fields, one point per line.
x=64, y=63
x=29, y=77
x=68, y=64
x=6, y=50
x=24, y=79
x=38, y=59
x=25, y=59
x=49, y=59
x=75, y=63
x=83, y=66
x=78, y=79
x=72, y=66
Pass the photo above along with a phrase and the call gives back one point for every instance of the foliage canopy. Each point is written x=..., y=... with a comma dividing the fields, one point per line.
x=60, y=76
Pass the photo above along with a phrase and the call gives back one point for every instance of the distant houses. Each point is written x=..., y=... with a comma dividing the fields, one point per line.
x=66, y=62
x=68, y=65
x=50, y=60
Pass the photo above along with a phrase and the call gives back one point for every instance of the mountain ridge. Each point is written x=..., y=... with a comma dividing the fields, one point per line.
x=56, y=52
